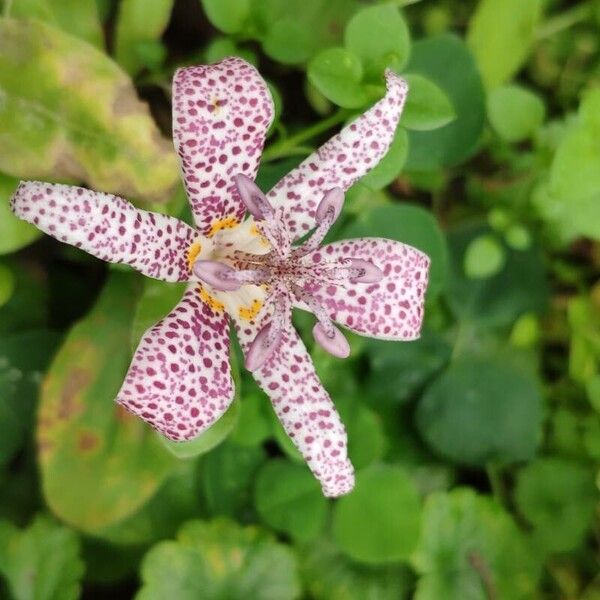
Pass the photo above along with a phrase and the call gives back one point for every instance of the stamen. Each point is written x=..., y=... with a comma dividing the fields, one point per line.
x=262, y=347
x=326, y=214
x=326, y=334
x=330, y=206
x=254, y=199
x=218, y=275
x=332, y=340
x=364, y=271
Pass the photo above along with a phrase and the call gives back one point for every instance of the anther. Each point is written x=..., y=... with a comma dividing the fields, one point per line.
x=330, y=206
x=263, y=346
x=254, y=199
x=364, y=271
x=331, y=339
x=218, y=275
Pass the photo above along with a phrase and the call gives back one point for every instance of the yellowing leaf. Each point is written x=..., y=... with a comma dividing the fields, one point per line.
x=67, y=112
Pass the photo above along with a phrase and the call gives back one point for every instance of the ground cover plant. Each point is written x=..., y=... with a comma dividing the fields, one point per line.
x=476, y=447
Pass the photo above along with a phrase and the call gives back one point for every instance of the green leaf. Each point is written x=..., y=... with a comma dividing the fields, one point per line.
x=139, y=23
x=501, y=34
x=222, y=47
x=254, y=423
x=446, y=61
x=484, y=257
x=520, y=287
x=7, y=284
x=216, y=560
x=398, y=371
x=329, y=575
x=479, y=411
x=409, y=224
x=14, y=233
x=366, y=438
x=558, y=498
x=379, y=522
x=337, y=74
x=158, y=299
x=292, y=31
x=229, y=16
x=41, y=562
x=390, y=166
x=23, y=357
x=571, y=201
x=472, y=550
x=83, y=437
x=379, y=37
x=515, y=113
x=208, y=439
x=175, y=502
x=289, y=499
x=68, y=112
x=77, y=17
x=226, y=476
x=427, y=105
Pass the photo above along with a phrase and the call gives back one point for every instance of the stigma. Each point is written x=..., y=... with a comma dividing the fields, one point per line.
x=286, y=277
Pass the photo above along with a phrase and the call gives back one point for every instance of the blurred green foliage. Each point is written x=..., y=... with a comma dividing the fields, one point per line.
x=477, y=447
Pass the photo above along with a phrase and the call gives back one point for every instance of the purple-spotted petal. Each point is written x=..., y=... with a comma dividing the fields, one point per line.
x=180, y=380
x=304, y=408
x=341, y=161
x=221, y=114
x=391, y=308
x=108, y=227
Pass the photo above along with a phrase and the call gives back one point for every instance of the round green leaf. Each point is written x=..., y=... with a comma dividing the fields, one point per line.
x=411, y=225
x=222, y=47
x=217, y=560
x=471, y=549
x=289, y=499
x=390, y=166
x=379, y=37
x=427, y=105
x=518, y=237
x=558, y=497
x=515, y=112
x=484, y=257
x=229, y=16
x=226, y=476
x=520, y=287
x=479, y=411
x=379, y=522
x=337, y=74
x=42, y=561
x=329, y=575
x=446, y=61
x=254, y=423
x=288, y=41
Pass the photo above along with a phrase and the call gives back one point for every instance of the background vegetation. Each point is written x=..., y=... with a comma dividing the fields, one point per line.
x=477, y=447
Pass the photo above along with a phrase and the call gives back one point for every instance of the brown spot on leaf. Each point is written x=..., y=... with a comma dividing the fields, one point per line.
x=74, y=384
x=88, y=441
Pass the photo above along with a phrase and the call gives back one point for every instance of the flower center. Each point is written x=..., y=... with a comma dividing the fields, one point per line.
x=287, y=274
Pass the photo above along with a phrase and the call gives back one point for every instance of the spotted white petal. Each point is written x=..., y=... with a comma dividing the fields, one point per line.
x=109, y=228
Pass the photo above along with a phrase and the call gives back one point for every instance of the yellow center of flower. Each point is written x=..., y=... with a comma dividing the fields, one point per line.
x=249, y=312
x=224, y=223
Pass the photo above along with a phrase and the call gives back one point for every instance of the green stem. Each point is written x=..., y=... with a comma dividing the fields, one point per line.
x=565, y=20
x=290, y=146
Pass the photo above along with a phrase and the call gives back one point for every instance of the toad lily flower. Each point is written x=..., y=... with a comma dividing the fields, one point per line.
x=249, y=271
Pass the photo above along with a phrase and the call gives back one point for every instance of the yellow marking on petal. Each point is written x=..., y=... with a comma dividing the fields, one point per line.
x=224, y=223
x=249, y=312
x=254, y=230
x=192, y=254
x=214, y=304
x=216, y=104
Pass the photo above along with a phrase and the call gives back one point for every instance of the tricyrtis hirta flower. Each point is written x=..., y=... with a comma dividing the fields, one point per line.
x=252, y=271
